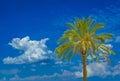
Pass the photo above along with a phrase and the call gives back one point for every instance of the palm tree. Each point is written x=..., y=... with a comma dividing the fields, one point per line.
x=81, y=39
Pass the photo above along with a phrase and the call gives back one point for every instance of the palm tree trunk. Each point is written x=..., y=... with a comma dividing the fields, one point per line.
x=84, y=67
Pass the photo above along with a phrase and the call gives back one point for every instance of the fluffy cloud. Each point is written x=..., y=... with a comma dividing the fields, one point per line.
x=33, y=51
x=100, y=70
x=116, y=70
x=95, y=69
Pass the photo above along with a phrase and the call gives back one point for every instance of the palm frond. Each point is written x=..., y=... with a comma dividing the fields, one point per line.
x=102, y=38
x=91, y=55
x=106, y=49
x=66, y=53
x=88, y=24
x=62, y=48
x=72, y=53
x=94, y=49
x=69, y=35
x=71, y=26
x=106, y=58
x=96, y=27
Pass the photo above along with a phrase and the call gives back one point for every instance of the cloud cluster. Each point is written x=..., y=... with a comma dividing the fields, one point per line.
x=64, y=76
x=100, y=70
x=94, y=69
x=33, y=51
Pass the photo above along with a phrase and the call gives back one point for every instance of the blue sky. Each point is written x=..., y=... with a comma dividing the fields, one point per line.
x=30, y=29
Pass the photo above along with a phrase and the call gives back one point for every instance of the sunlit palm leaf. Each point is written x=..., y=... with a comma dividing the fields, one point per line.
x=106, y=49
x=71, y=26
x=96, y=27
x=72, y=53
x=62, y=48
x=103, y=37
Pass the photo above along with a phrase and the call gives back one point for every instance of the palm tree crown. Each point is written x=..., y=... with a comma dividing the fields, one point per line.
x=81, y=39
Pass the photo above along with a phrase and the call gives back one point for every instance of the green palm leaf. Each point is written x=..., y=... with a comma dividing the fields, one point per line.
x=96, y=27
x=103, y=37
x=62, y=48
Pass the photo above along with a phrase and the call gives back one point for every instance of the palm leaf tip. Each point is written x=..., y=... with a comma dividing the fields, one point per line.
x=96, y=27
x=62, y=48
x=113, y=52
x=70, y=25
x=103, y=37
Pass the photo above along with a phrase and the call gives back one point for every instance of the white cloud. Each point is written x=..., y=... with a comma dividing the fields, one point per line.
x=78, y=74
x=65, y=75
x=109, y=45
x=59, y=62
x=33, y=51
x=43, y=63
x=118, y=61
x=95, y=69
x=9, y=72
x=117, y=39
x=100, y=70
x=116, y=70
x=78, y=68
x=33, y=69
x=4, y=78
x=15, y=78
